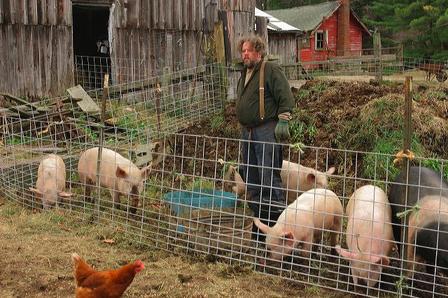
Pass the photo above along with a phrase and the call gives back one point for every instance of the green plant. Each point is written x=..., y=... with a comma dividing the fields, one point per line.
x=217, y=122
x=379, y=164
x=200, y=183
x=302, y=127
x=303, y=94
x=437, y=166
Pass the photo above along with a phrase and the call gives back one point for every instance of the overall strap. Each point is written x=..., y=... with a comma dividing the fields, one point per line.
x=261, y=88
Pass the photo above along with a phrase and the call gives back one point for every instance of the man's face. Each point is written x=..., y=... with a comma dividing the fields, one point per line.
x=249, y=55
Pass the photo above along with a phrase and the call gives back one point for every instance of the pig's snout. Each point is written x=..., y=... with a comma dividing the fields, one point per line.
x=262, y=262
x=134, y=191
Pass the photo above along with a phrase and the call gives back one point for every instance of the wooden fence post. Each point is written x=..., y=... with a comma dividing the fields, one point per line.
x=377, y=54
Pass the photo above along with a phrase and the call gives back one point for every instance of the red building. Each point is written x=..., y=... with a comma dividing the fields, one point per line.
x=331, y=29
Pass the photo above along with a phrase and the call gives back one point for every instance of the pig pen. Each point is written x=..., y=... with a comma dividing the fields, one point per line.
x=195, y=163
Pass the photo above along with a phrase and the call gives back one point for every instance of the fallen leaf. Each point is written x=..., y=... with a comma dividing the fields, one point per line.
x=109, y=241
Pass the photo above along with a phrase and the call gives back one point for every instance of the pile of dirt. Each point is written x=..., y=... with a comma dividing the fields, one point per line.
x=353, y=116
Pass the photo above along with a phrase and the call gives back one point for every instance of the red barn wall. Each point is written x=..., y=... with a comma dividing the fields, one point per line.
x=331, y=26
x=356, y=32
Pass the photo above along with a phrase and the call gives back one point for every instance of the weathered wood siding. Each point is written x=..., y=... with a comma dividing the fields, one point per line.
x=36, y=47
x=148, y=35
x=155, y=34
x=284, y=46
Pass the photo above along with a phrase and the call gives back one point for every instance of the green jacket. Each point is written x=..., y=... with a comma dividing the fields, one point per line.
x=277, y=96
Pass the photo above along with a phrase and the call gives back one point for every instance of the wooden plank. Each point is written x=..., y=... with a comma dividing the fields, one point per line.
x=46, y=57
x=132, y=14
x=184, y=21
x=162, y=13
x=59, y=61
x=13, y=12
x=36, y=41
x=68, y=13
x=15, y=53
x=6, y=12
x=21, y=55
x=70, y=58
x=22, y=16
x=186, y=74
x=51, y=12
x=32, y=12
x=2, y=17
x=177, y=15
x=218, y=37
x=199, y=14
x=60, y=12
x=168, y=14
x=54, y=74
x=3, y=78
x=42, y=12
x=154, y=7
x=86, y=103
x=143, y=14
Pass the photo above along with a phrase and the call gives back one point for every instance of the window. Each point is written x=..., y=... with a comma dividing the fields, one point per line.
x=321, y=40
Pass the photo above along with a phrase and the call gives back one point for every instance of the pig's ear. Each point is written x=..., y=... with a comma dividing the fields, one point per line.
x=146, y=171
x=264, y=228
x=383, y=260
x=120, y=173
x=310, y=178
x=289, y=238
x=346, y=254
x=64, y=194
x=331, y=170
x=36, y=191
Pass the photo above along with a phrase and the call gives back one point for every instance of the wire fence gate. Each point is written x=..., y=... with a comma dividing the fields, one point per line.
x=182, y=192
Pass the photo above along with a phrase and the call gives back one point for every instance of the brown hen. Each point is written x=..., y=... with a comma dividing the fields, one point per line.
x=103, y=284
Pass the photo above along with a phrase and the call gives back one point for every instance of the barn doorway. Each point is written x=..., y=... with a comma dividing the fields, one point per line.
x=91, y=44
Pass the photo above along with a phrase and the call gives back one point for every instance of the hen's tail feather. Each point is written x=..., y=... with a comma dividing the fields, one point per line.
x=81, y=269
x=75, y=257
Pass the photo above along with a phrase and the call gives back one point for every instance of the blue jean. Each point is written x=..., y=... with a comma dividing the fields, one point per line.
x=261, y=170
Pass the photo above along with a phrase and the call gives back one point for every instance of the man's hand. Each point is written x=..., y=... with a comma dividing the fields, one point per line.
x=282, y=130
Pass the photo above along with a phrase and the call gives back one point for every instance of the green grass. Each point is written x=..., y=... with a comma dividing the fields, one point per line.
x=217, y=122
x=379, y=164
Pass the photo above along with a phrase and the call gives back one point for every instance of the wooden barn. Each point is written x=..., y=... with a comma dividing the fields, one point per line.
x=45, y=43
x=283, y=39
x=332, y=29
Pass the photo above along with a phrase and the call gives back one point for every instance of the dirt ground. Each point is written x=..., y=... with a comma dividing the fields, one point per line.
x=35, y=250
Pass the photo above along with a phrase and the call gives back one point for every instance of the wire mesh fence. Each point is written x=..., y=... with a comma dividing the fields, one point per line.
x=185, y=193
x=89, y=70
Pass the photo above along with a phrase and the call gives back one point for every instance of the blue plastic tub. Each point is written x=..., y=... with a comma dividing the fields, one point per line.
x=182, y=202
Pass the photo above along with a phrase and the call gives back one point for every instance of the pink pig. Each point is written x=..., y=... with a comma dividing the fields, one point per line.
x=50, y=182
x=295, y=178
x=369, y=235
x=304, y=221
x=117, y=173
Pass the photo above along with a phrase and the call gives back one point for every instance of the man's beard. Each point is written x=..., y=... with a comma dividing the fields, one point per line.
x=250, y=64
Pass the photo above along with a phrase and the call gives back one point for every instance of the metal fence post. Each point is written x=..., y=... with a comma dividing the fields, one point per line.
x=407, y=139
x=101, y=139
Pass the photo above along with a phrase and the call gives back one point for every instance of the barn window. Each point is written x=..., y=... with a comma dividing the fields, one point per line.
x=321, y=39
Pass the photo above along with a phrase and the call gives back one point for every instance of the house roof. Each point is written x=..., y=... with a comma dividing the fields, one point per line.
x=275, y=24
x=309, y=17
